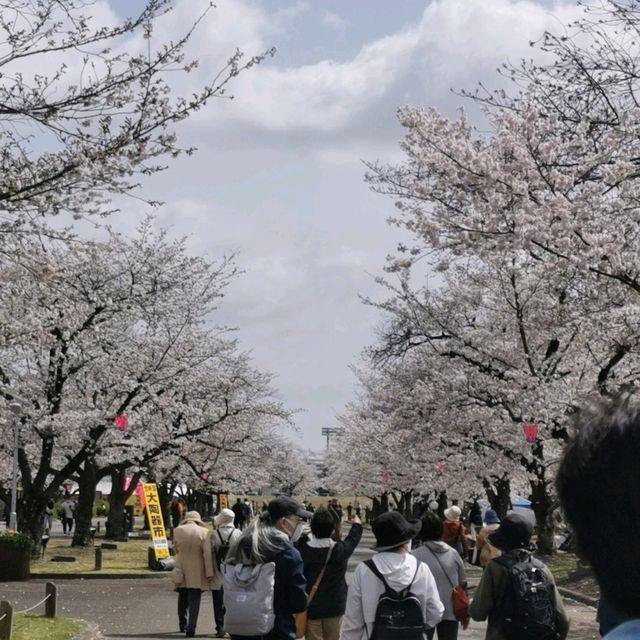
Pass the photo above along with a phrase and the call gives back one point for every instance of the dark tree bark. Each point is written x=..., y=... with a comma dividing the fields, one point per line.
x=543, y=507
x=498, y=491
x=87, y=482
x=31, y=519
x=116, y=527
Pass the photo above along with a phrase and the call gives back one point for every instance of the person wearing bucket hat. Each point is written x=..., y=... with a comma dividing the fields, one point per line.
x=224, y=535
x=192, y=544
x=484, y=549
x=269, y=538
x=513, y=539
x=400, y=570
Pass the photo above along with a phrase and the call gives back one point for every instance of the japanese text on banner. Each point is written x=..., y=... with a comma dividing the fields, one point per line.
x=156, y=523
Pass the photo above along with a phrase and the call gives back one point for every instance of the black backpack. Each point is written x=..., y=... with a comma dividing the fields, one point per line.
x=399, y=613
x=223, y=549
x=527, y=608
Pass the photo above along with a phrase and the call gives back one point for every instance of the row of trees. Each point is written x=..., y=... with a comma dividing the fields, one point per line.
x=517, y=297
x=111, y=346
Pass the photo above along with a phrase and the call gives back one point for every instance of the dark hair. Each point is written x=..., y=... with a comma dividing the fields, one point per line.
x=323, y=523
x=431, y=527
x=599, y=487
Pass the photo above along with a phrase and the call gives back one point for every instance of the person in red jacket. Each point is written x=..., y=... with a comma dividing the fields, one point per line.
x=453, y=531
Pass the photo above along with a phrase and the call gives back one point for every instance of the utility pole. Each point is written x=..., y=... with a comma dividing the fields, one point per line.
x=331, y=431
x=16, y=410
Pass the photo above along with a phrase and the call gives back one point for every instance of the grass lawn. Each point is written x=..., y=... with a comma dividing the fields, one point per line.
x=32, y=627
x=568, y=573
x=130, y=556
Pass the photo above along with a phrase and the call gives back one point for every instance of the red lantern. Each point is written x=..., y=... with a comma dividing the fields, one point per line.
x=530, y=432
x=386, y=477
x=204, y=476
x=122, y=422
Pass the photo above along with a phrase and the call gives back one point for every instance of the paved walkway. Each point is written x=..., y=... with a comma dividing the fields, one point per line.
x=146, y=609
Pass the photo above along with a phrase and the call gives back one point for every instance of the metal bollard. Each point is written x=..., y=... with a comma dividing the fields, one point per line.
x=51, y=604
x=98, y=566
x=6, y=620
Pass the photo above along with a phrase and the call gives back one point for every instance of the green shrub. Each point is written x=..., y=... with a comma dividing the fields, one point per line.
x=20, y=540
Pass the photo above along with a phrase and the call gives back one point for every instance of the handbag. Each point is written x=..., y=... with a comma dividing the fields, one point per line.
x=459, y=597
x=301, y=618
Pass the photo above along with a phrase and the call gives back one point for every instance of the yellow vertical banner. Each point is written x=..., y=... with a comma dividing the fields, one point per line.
x=223, y=501
x=156, y=523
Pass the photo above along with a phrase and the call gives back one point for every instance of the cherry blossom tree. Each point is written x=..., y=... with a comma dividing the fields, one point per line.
x=98, y=330
x=87, y=106
x=531, y=228
x=290, y=470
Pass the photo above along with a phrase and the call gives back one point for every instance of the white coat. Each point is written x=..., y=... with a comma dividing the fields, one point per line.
x=366, y=588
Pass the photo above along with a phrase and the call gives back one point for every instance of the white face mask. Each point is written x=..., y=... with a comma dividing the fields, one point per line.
x=297, y=530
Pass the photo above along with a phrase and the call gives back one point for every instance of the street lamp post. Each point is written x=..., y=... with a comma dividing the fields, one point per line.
x=16, y=410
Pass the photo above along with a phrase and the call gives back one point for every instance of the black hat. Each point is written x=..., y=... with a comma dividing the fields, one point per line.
x=284, y=506
x=514, y=533
x=392, y=530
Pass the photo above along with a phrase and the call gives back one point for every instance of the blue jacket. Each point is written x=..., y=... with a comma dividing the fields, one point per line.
x=626, y=631
x=290, y=592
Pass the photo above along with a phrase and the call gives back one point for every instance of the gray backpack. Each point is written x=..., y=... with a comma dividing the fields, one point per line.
x=248, y=598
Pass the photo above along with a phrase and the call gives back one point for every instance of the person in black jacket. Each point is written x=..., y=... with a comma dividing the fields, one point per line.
x=329, y=602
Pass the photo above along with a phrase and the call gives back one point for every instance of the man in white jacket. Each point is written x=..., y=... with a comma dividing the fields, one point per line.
x=393, y=543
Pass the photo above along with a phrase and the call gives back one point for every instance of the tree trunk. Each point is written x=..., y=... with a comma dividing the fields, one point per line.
x=115, y=528
x=443, y=503
x=498, y=490
x=31, y=518
x=87, y=482
x=542, y=504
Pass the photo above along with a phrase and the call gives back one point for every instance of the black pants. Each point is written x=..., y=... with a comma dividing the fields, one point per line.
x=188, y=609
x=67, y=524
x=447, y=630
x=218, y=609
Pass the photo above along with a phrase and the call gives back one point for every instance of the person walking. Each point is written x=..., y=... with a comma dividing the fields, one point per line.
x=513, y=538
x=454, y=533
x=486, y=552
x=240, y=514
x=448, y=571
x=67, y=509
x=395, y=567
x=325, y=566
x=269, y=539
x=192, y=544
x=224, y=535
x=47, y=521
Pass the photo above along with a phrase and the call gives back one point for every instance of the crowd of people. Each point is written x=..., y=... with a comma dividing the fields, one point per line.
x=280, y=574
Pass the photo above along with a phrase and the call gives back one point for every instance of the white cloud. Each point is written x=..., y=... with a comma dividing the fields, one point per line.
x=278, y=176
x=456, y=43
x=334, y=21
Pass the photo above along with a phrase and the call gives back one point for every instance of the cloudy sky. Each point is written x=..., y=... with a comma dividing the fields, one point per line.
x=278, y=177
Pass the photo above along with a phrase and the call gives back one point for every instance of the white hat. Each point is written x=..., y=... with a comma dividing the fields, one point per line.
x=224, y=517
x=452, y=513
